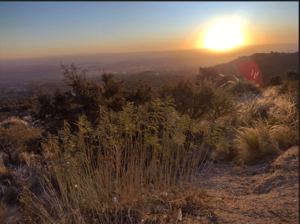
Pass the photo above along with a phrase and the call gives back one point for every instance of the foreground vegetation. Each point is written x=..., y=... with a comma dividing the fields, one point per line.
x=119, y=154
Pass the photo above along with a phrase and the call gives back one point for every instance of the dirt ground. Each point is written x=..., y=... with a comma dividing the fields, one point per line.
x=264, y=193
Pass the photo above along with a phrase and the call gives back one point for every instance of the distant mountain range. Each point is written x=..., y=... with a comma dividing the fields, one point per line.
x=265, y=65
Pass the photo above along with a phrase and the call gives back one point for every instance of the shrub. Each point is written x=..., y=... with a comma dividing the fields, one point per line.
x=255, y=142
x=285, y=136
x=44, y=106
x=140, y=92
x=291, y=76
x=291, y=88
x=241, y=87
x=83, y=97
x=113, y=92
x=16, y=134
x=189, y=98
x=199, y=100
x=222, y=105
x=115, y=171
x=208, y=73
x=251, y=107
x=274, y=81
x=285, y=110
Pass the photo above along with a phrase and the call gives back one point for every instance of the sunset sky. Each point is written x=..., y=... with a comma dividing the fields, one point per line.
x=38, y=29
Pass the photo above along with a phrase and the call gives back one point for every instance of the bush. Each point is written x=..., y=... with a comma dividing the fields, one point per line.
x=222, y=105
x=255, y=142
x=83, y=97
x=274, y=81
x=291, y=88
x=251, y=106
x=113, y=92
x=199, y=100
x=285, y=109
x=113, y=171
x=241, y=87
x=189, y=98
x=291, y=76
x=285, y=136
x=140, y=93
x=17, y=134
x=208, y=73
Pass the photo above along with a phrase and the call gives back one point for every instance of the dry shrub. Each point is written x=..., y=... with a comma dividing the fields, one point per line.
x=285, y=110
x=251, y=107
x=241, y=87
x=285, y=136
x=16, y=133
x=255, y=142
x=288, y=161
x=134, y=159
x=277, y=108
x=274, y=81
x=13, y=121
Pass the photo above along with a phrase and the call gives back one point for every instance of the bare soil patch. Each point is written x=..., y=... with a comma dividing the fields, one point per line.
x=263, y=193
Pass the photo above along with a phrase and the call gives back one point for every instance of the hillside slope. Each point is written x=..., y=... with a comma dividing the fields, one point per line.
x=267, y=64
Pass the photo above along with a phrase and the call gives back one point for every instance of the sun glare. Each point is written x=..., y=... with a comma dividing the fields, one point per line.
x=224, y=35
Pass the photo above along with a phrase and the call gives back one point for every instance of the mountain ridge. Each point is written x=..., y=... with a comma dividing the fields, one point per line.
x=267, y=64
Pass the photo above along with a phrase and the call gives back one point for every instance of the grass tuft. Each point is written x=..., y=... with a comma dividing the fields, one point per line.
x=255, y=142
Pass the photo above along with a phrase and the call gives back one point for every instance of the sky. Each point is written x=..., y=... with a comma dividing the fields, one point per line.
x=41, y=29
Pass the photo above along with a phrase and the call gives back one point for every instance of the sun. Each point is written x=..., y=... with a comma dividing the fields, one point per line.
x=224, y=35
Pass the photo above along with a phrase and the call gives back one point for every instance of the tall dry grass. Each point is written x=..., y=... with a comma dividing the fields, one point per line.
x=270, y=105
x=132, y=164
x=255, y=142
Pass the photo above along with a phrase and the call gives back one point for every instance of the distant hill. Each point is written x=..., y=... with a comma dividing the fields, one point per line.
x=266, y=64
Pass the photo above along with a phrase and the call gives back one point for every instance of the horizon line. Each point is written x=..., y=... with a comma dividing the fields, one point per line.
x=107, y=53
